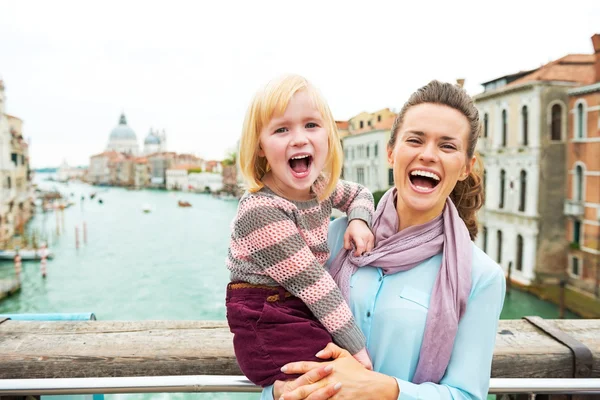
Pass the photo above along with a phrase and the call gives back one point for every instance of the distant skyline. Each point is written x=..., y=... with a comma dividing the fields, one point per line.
x=70, y=68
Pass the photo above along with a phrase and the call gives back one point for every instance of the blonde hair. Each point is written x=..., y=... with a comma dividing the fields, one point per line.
x=270, y=101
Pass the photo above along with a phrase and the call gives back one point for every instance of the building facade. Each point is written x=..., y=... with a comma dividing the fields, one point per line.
x=522, y=145
x=365, y=150
x=582, y=204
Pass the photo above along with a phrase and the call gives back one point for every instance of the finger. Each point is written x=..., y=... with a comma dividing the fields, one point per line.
x=309, y=379
x=360, y=246
x=370, y=244
x=326, y=392
x=300, y=367
x=332, y=350
x=347, y=244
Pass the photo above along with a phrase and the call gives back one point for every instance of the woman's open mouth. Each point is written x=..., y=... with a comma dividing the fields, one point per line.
x=423, y=181
x=300, y=165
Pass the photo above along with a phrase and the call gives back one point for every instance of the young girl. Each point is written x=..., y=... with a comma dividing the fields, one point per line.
x=282, y=305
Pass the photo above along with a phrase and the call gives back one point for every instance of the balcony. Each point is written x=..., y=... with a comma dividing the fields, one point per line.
x=574, y=208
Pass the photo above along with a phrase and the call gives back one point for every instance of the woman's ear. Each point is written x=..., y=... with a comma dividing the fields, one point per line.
x=390, y=154
x=468, y=169
x=260, y=151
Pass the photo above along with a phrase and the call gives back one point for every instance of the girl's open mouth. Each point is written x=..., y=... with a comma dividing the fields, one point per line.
x=300, y=165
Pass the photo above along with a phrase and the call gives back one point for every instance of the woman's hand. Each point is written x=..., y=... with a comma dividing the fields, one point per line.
x=347, y=379
x=305, y=384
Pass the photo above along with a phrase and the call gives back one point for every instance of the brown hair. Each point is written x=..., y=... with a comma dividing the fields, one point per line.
x=468, y=194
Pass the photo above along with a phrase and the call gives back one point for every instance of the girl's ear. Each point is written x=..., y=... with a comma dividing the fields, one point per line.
x=260, y=151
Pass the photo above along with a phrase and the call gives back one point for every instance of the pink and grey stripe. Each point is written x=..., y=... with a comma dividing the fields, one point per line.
x=276, y=241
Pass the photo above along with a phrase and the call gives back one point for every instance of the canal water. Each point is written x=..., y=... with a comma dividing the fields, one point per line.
x=167, y=264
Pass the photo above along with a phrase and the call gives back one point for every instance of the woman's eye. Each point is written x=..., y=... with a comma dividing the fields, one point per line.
x=280, y=130
x=449, y=146
x=412, y=140
x=311, y=125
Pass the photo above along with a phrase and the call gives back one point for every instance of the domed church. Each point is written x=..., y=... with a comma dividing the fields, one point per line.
x=155, y=142
x=123, y=139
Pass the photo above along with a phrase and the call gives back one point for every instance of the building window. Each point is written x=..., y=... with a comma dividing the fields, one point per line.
x=484, y=182
x=504, y=128
x=369, y=122
x=485, y=125
x=575, y=267
x=522, y=198
x=502, y=184
x=379, y=118
x=391, y=177
x=556, y=124
x=375, y=150
x=360, y=175
x=519, y=253
x=368, y=148
x=525, y=117
x=14, y=158
x=485, y=240
x=578, y=189
x=579, y=119
x=576, y=231
x=499, y=246
x=362, y=124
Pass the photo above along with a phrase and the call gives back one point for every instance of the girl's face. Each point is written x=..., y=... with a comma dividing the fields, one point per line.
x=295, y=145
x=428, y=158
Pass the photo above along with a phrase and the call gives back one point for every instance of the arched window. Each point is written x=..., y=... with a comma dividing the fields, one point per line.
x=578, y=189
x=499, y=246
x=579, y=132
x=556, y=124
x=519, y=253
x=502, y=184
x=504, y=128
x=523, y=185
x=485, y=125
x=524, y=120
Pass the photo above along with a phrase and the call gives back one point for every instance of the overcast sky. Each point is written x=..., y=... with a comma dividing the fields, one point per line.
x=191, y=67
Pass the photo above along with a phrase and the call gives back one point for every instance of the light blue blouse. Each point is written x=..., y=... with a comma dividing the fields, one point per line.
x=391, y=311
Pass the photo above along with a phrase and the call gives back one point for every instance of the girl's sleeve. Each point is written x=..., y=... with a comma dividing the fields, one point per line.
x=468, y=373
x=270, y=239
x=355, y=200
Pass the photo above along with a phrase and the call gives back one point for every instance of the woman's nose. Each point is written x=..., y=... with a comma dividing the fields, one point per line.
x=429, y=154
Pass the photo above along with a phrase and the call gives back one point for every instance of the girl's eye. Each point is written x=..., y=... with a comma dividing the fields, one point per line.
x=412, y=140
x=311, y=125
x=280, y=130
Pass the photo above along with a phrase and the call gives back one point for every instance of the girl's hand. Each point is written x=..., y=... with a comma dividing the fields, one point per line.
x=358, y=232
x=348, y=379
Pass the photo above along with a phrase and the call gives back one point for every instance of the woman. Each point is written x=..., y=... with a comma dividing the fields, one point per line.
x=427, y=299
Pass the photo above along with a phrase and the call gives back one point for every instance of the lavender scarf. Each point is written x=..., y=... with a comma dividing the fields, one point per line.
x=400, y=251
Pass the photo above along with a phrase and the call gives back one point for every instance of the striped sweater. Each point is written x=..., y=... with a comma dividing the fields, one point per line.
x=276, y=241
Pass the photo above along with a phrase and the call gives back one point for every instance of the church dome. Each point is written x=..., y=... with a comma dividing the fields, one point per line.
x=152, y=139
x=122, y=131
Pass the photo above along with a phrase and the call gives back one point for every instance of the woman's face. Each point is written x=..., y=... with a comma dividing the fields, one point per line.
x=428, y=158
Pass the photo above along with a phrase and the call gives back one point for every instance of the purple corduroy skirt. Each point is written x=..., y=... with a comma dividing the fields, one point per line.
x=270, y=329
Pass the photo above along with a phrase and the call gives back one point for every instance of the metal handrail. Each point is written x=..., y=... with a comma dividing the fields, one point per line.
x=239, y=384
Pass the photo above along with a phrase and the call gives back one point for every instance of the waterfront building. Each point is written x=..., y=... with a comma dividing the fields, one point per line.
x=523, y=145
x=582, y=204
x=16, y=193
